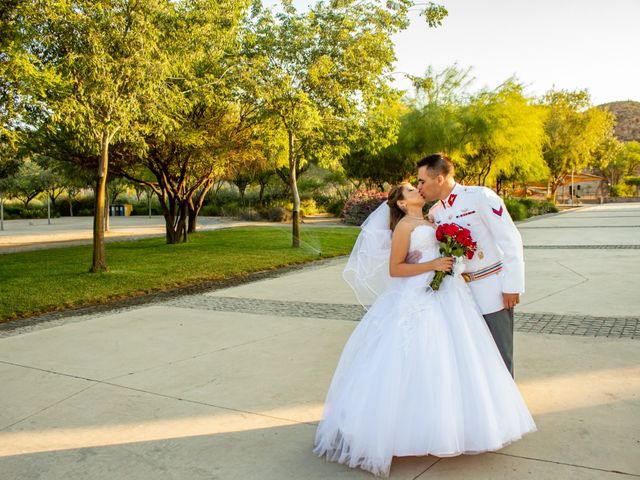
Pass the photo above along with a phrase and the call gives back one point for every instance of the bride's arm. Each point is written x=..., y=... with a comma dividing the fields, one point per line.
x=399, y=248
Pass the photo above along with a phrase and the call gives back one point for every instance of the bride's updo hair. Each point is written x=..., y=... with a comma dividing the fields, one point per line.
x=396, y=213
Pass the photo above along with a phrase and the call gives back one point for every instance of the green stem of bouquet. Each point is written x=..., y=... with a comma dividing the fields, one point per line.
x=437, y=280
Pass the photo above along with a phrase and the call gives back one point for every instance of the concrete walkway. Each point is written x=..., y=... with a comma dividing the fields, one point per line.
x=230, y=384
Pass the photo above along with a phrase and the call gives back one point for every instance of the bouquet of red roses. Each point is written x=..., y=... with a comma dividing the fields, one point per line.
x=455, y=241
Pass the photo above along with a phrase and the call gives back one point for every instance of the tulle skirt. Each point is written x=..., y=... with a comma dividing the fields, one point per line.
x=420, y=375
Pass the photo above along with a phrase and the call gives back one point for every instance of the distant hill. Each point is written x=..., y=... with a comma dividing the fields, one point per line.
x=628, y=119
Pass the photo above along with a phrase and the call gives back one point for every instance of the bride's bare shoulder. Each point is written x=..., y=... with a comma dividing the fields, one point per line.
x=406, y=225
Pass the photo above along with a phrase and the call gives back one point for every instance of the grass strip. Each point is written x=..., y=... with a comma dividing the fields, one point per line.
x=56, y=279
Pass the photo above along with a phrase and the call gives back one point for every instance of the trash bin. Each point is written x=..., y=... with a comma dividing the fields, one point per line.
x=116, y=210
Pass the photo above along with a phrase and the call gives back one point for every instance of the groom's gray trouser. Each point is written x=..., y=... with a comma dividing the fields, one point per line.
x=501, y=325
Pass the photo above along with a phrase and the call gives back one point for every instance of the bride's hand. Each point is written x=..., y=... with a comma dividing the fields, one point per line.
x=414, y=256
x=443, y=264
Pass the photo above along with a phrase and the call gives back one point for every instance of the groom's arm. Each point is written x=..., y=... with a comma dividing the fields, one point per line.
x=494, y=214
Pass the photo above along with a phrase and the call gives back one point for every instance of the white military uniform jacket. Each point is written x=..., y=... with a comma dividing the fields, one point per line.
x=483, y=212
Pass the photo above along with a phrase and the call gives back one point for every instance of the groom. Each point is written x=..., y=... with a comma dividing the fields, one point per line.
x=495, y=275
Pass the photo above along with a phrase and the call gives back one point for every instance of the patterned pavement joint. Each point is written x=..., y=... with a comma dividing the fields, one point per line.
x=582, y=247
x=581, y=325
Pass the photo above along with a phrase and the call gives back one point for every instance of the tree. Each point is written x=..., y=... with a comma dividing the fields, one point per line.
x=615, y=160
x=506, y=133
x=201, y=124
x=28, y=182
x=574, y=131
x=106, y=59
x=374, y=156
x=492, y=135
x=23, y=83
x=433, y=122
x=318, y=72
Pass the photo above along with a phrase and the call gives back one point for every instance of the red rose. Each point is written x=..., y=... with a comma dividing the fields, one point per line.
x=469, y=254
x=440, y=233
x=450, y=229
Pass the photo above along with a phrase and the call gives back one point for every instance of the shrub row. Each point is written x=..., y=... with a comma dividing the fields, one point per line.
x=363, y=202
x=522, y=208
x=360, y=205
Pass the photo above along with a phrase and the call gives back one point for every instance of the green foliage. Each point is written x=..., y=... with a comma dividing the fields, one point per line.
x=29, y=181
x=517, y=209
x=635, y=181
x=505, y=137
x=575, y=132
x=493, y=135
x=319, y=73
x=538, y=207
x=523, y=208
x=13, y=211
x=142, y=209
x=615, y=160
x=623, y=190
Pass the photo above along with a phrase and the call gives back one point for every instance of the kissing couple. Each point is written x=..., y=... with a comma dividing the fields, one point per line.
x=426, y=371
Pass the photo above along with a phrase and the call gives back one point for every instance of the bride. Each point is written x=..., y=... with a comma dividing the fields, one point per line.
x=420, y=374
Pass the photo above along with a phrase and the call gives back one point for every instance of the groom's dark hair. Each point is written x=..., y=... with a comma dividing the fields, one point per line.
x=438, y=163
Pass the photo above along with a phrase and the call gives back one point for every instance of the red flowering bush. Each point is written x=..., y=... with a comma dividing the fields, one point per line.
x=455, y=241
x=360, y=205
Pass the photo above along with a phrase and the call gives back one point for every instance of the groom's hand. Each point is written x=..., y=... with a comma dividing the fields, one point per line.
x=413, y=257
x=510, y=300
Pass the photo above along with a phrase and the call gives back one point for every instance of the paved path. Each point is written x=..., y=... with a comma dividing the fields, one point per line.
x=23, y=235
x=229, y=384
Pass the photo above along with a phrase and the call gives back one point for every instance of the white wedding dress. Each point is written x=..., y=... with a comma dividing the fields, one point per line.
x=420, y=375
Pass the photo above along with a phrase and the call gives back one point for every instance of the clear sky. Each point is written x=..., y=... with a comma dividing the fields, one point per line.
x=569, y=44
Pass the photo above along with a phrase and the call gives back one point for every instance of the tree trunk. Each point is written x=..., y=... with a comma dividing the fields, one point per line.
x=99, y=255
x=182, y=225
x=485, y=173
x=295, y=222
x=193, y=218
x=169, y=213
x=106, y=211
x=28, y=199
x=263, y=185
x=194, y=207
x=175, y=218
x=242, y=189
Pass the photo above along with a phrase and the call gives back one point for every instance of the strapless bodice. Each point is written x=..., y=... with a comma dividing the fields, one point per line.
x=423, y=239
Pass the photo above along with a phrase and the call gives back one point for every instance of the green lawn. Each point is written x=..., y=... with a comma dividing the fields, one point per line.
x=55, y=279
